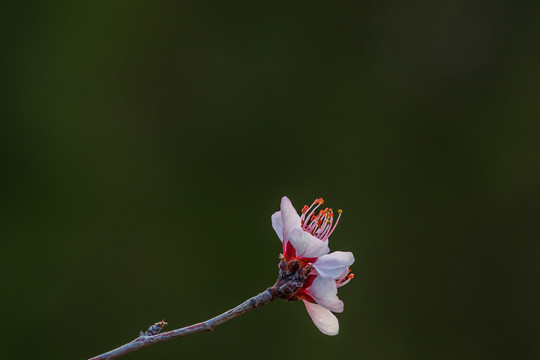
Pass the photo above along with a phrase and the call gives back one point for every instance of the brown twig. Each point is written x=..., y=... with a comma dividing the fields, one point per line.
x=208, y=325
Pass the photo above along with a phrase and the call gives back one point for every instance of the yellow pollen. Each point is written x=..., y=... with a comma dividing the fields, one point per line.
x=340, y=211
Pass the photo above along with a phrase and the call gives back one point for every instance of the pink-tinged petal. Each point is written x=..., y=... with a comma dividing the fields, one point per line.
x=334, y=265
x=307, y=245
x=277, y=224
x=324, y=292
x=323, y=319
x=289, y=217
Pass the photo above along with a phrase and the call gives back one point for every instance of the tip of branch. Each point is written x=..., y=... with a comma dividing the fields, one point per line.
x=155, y=329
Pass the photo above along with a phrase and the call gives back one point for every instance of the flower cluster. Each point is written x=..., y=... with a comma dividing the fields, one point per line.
x=308, y=271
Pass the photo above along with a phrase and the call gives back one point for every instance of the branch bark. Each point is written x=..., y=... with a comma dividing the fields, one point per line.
x=144, y=341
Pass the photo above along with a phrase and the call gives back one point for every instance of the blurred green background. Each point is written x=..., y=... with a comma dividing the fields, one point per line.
x=145, y=145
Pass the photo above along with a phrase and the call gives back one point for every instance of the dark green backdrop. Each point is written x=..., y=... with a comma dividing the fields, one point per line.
x=145, y=145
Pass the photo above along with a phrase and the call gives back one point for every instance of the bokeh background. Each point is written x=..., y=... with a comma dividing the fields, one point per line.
x=144, y=146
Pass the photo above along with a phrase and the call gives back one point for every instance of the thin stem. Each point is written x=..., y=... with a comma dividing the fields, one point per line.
x=208, y=325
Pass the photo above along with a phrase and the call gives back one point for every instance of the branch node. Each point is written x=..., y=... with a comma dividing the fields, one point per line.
x=148, y=338
x=155, y=329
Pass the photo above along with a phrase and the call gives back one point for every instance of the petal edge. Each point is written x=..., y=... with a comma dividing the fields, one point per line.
x=333, y=265
x=289, y=218
x=324, y=292
x=323, y=319
x=307, y=245
x=277, y=224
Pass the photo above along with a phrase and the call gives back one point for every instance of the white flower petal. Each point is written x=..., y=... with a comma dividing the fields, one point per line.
x=342, y=276
x=324, y=292
x=277, y=224
x=334, y=265
x=323, y=319
x=307, y=245
x=289, y=218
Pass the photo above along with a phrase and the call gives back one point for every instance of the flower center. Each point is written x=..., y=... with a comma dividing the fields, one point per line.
x=320, y=225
